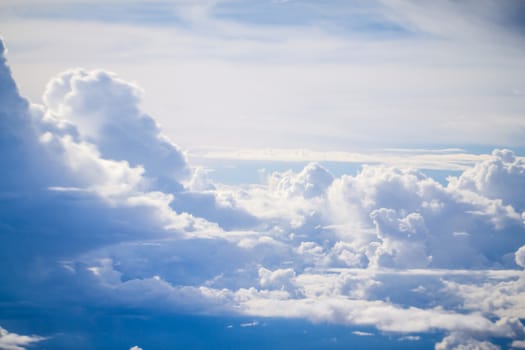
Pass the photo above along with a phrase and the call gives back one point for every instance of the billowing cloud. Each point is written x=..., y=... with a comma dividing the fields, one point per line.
x=501, y=177
x=312, y=181
x=105, y=111
x=279, y=279
x=461, y=341
x=117, y=219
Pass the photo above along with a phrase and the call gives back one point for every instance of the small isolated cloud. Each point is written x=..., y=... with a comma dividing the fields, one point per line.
x=409, y=338
x=250, y=324
x=13, y=341
x=363, y=334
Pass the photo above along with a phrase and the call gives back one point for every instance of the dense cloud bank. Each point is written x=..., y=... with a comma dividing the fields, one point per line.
x=100, y=209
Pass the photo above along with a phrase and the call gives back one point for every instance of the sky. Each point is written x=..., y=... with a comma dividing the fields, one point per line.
x=265, y=174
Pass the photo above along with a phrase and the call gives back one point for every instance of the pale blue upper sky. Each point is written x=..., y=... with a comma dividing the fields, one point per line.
x=335, y=75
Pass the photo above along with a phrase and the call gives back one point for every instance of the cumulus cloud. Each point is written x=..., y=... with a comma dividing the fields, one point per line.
x=380, y=314
x=278, y=279
x=405, y=206
x=93, y=120
x=402, y=239
x=502, y=298
x=312, y=181
x=322, y=298
x=117, y=220
x=13, y=341
x=500, y=177
x=460, y=341
x=105, y=112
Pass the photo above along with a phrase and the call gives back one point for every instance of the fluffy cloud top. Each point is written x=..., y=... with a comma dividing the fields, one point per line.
x=501, y=177
x=105, y=111
x=312, y=181
x=108, y=224
x=462, y=342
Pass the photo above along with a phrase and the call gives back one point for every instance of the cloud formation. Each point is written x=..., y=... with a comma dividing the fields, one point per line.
x=118, y=219
x=460, y=341
x=105, y=112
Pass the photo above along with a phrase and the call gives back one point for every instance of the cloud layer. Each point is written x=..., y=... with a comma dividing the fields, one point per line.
x=324, y=75
x=101, y=209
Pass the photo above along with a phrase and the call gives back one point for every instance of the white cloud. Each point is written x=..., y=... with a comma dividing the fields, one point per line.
x=500, y=298
x=200, y=181
x=282, y=279
x=422, y=159
x=354, y=250
x=518, y=344
x=520, y=256
x=410, y=338
x=105, y=111
x=403, y=239
x=92, y=122
x=250, y=324
x=13, y=341
x=312, y=181
x=362, y=334
x=500, y=177
x=107, y=177
x=333, y=308
x=460, y=341
x=383, y=315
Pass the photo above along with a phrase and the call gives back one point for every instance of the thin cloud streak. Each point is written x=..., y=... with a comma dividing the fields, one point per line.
x=423, y=159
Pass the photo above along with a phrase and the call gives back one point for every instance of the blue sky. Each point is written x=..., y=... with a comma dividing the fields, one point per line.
x=266, y=174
